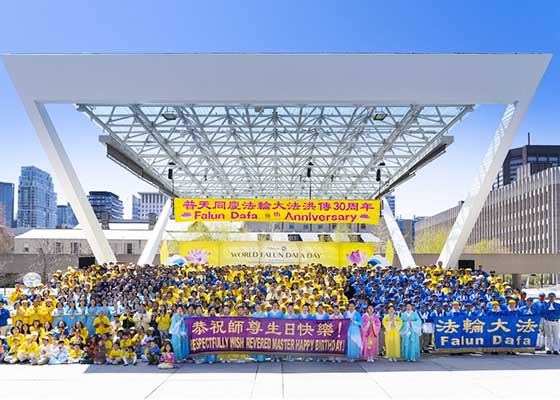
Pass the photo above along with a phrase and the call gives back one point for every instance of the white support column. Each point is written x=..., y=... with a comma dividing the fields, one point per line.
x=152, y=246
x=503, y=139
x=68, y=178
x=405, y=256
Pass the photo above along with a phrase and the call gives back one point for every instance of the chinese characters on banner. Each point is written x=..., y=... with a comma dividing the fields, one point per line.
x=275, y=210
x=490, y=332
x=267, y=335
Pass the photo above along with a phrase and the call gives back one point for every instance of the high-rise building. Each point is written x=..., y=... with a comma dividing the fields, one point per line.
x=151, y=203
x=135, y=207
x=7, y=204
x=520, y=217
x=408, y=228
x=65, y=217
x=540, y=157
x=391, y=200
x=36, y=199
x=106, y=203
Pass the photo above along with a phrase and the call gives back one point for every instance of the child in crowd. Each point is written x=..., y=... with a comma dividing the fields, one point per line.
x=75, y=354
x=167, y=358
x=154, y=353
x=129, y=356
x=115, y=355
x=60, y=354
x=100, y=351
x=3, y=350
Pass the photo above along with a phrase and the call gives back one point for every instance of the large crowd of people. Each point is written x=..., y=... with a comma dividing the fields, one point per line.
x=126, y=314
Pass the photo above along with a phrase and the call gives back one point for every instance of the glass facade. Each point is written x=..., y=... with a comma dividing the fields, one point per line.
x=106, y=202
x=65, y=217
x=36, y=199
x=7, y=204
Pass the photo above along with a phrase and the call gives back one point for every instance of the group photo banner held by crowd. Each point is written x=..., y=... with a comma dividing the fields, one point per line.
x=215, y=335
x=278, y=210
x=487, y=333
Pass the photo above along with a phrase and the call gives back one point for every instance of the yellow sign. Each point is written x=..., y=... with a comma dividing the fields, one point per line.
x=268, y=252
x=275, y=210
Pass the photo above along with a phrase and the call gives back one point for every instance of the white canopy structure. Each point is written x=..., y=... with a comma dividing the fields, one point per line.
x=277, y=125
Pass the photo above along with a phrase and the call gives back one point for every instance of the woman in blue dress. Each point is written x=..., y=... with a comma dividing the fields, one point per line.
x=58, y=314
x=90, y=316
x=410, y=334
x=81, y=312
x=354, y=347
x=275, y=313
x=259, y=313
x=70, y=315
x=179, y=339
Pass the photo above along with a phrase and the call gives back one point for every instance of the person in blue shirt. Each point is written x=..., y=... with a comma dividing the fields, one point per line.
x=455, y=310
x=551, y=314
x=275, y=312
x=511, y=310
x=530, y=308
x=321, y=314
x=4, y=315
x=305, y=312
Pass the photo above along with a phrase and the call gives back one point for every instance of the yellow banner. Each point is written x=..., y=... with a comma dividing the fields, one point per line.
x=268, y=252
x=275, y=210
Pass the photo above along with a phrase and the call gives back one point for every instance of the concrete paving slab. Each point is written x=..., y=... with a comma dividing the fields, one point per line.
x=474, y=377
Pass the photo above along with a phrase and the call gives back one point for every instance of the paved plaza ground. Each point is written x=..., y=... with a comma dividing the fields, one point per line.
x=472, y=377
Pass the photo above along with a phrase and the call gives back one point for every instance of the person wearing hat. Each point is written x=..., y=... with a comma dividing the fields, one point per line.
x=551, y=313
x=455, y=310
x=45, y=351
x=29, y=349
x=512, y=309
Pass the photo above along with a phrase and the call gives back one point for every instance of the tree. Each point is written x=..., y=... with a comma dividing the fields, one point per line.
x=48, y=256
x=6, y=240
x=430, y=242
x=340, y=232
x=487, y=246
x=201, y=229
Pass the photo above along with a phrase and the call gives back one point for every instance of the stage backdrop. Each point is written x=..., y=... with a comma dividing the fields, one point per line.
x=490, y=333
x=268, y=252
x=278, y=210
x=215, y=335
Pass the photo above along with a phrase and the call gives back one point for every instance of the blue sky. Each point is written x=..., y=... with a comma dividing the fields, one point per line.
x=286, y=26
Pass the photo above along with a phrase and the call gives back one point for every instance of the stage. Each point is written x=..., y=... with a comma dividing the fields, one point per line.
x=434, y=377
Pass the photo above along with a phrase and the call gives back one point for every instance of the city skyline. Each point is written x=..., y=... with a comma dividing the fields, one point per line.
x=439, y=185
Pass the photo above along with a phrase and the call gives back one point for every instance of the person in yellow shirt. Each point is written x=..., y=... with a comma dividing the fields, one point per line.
x=115, y=355
x=129, y=356
x=102, y=324
x=163, y=320
x=45, y=311
x=392, y=324
x=29, y=349
x=17, y=294
x=75, y=354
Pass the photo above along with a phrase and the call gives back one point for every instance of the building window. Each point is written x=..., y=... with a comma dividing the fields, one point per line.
x=129, y=248
x=26, y=248
x=58, y=247
x=74, y=248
